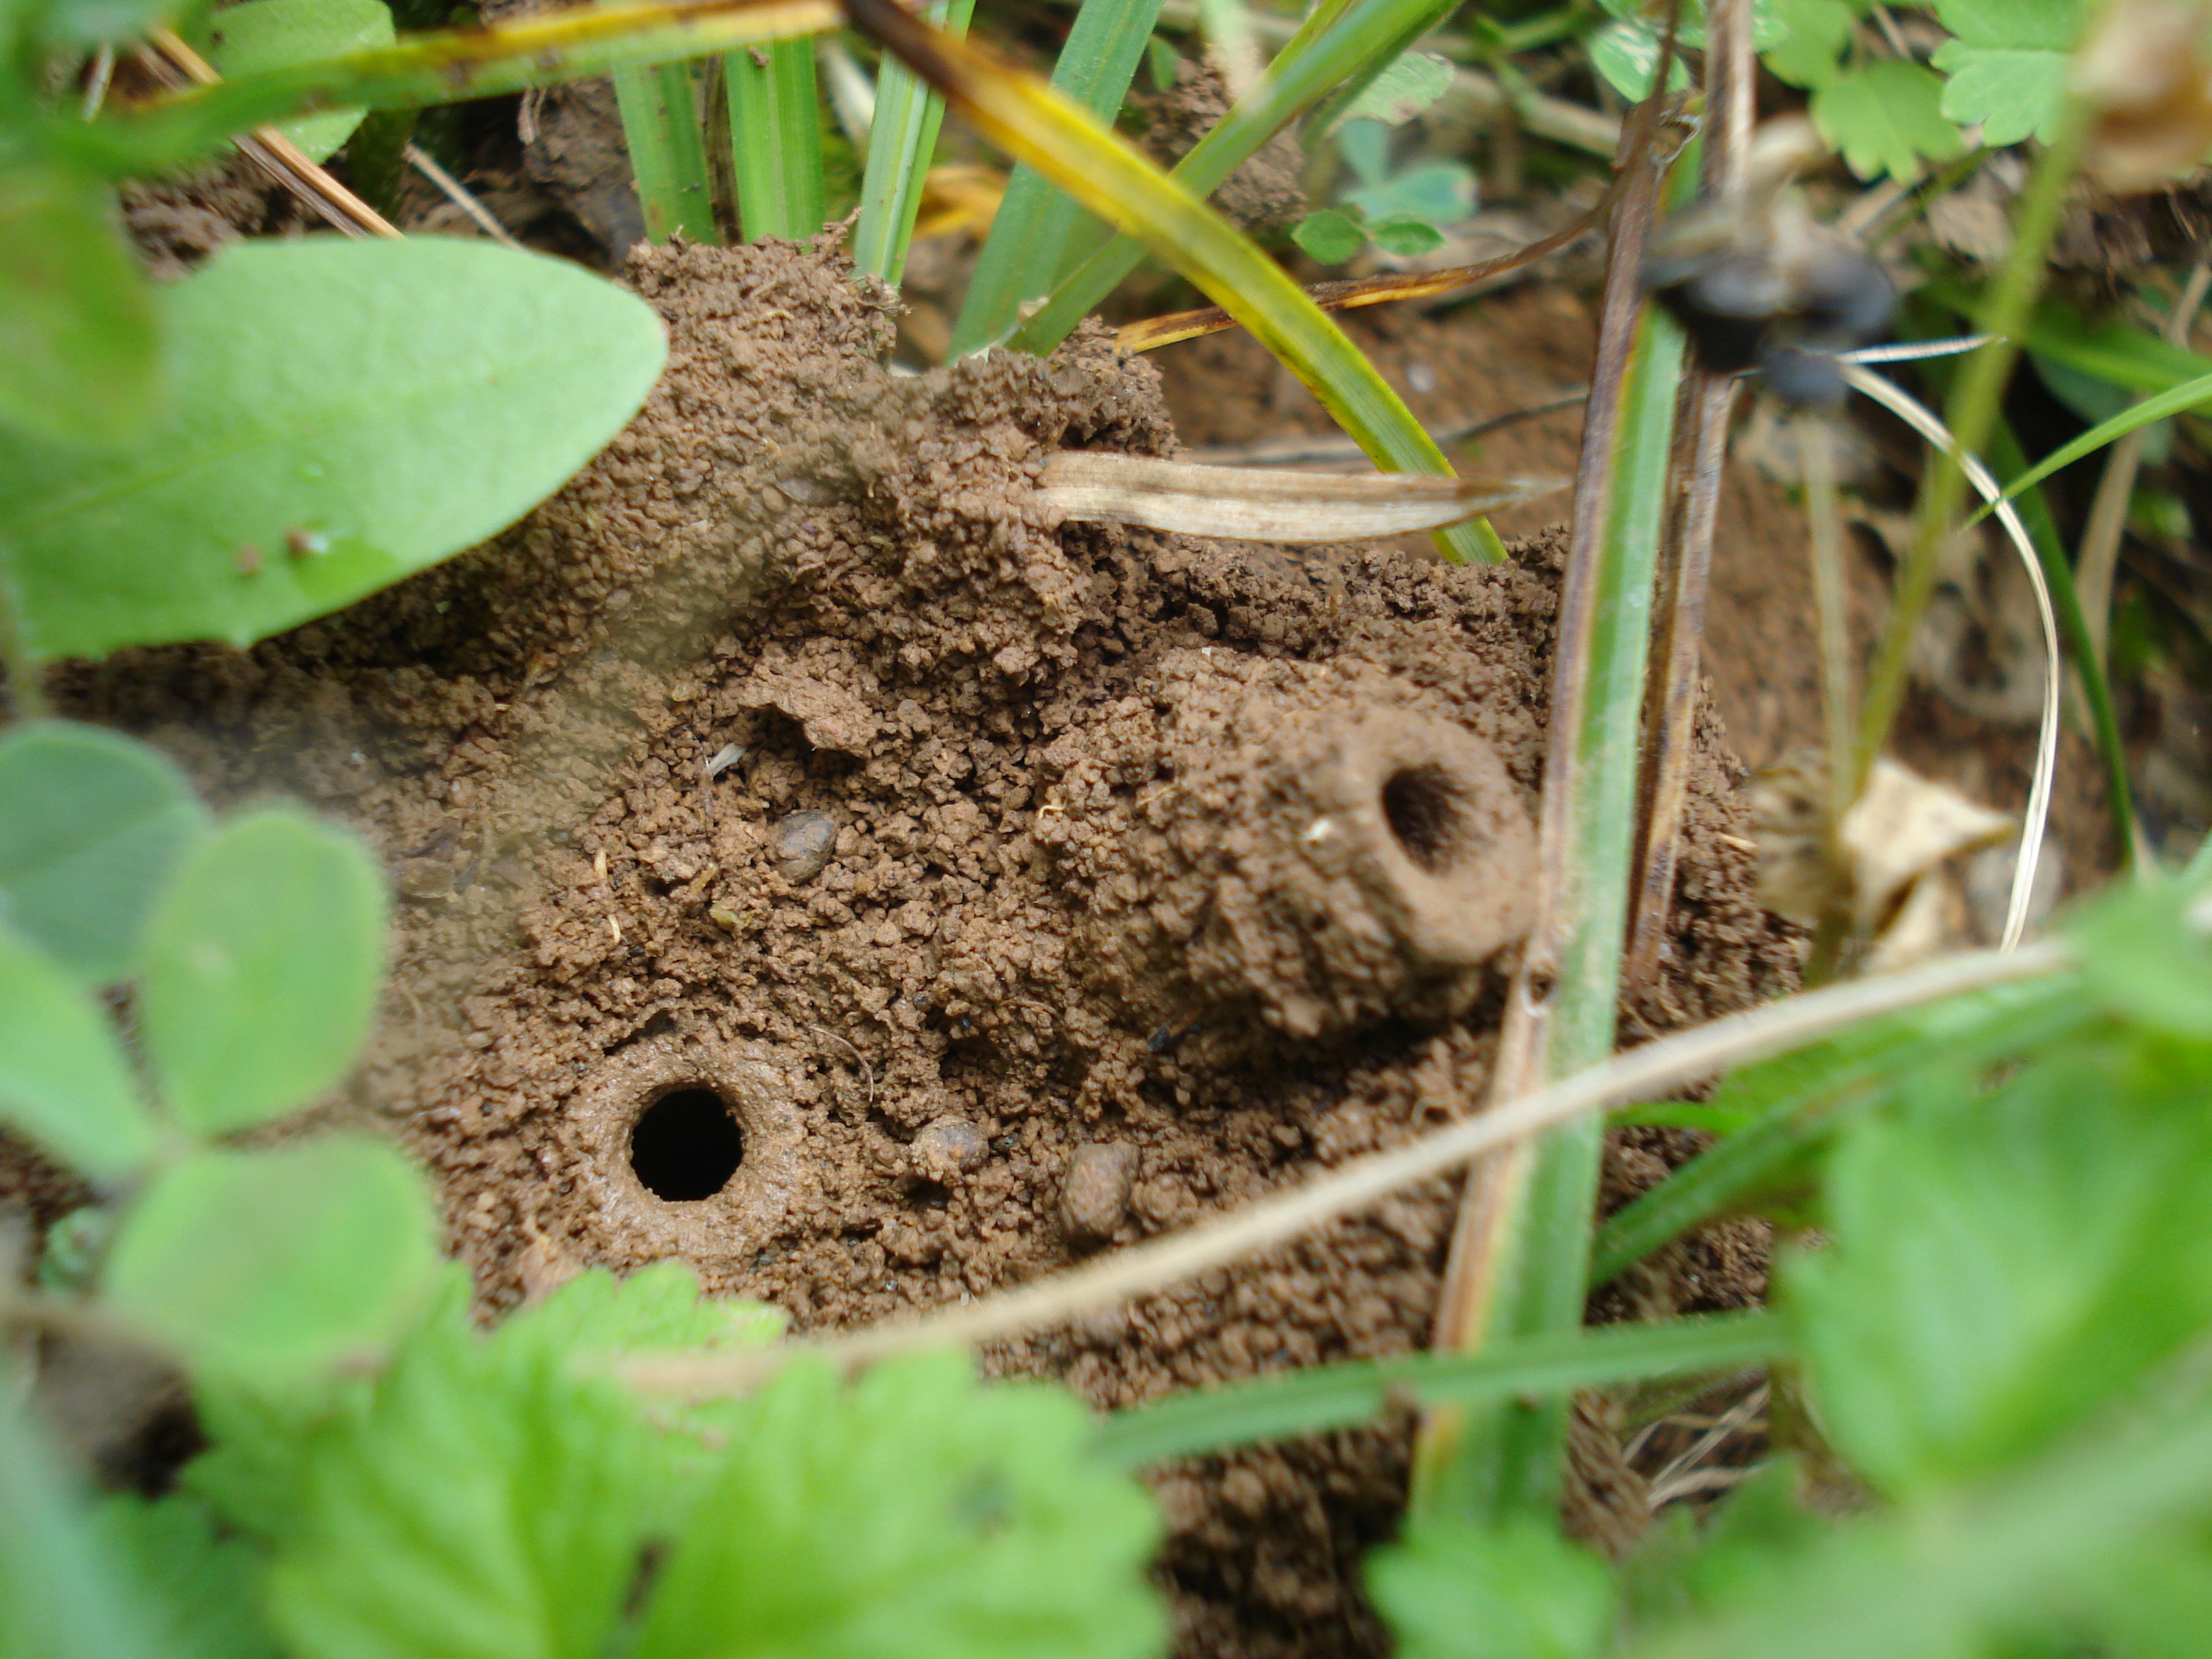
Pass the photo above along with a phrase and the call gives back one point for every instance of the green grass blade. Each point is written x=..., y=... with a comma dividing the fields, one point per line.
x=1038, y=224
x=1339, y=1396
x=444, y=66
x=667, y=150
x=900, y=141
x=1331, y=47
x=2187, y=395
x=1795, y=1100
x=2089, y=665
x=1035, y=124
x=776, y=138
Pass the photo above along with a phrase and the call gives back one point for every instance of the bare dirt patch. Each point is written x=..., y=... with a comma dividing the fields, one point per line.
x=814, y=865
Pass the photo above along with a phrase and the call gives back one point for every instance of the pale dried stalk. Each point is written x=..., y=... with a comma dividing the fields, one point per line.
x=1686, y=570
x=1260, y=505
x=173, y=63
x=1644, y=1074
x=2033, y=821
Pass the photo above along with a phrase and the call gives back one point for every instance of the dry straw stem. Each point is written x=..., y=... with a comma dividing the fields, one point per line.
x=173, y=63
x=1652, y=1071
x=1350, y=293
x=1258, y=505
x=1708, y=403
x=1924, y=421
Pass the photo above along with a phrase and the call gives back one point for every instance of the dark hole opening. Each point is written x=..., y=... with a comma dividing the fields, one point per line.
x=686, y=1145
x=1421, y=804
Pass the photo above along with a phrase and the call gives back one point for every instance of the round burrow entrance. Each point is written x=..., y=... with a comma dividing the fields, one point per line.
x=1425, y=808
x=686, y=1144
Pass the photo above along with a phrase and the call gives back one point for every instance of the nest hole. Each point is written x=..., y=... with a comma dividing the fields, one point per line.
x=686, y=1144
x=1425, y=806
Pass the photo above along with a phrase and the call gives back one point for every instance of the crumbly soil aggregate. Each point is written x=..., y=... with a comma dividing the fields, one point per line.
x=1120, y=923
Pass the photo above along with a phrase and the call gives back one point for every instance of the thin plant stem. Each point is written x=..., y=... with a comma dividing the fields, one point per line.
x=1824, y=515
x=1970, y=417
x=1519, y=1251
x=26, y=694
x=2098, y=560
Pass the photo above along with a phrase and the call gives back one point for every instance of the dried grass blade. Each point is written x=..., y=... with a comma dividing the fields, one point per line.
x=1262, y=505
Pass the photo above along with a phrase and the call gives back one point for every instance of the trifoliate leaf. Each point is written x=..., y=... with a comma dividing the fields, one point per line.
x=1331, y=237
x=2008, y=66
x=914, y=1513
x=64, y=1082
x=91, y=825
x=1884, y=120
x=488, y=1495
x=2003, y=1263
x=1434, y=193
x=263, y=966
x=1521, y=1591
x=274, y=1262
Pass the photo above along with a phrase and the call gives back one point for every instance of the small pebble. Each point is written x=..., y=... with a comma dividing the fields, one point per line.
x=801, y=844
x=1094, y=1195
x=945, y=1148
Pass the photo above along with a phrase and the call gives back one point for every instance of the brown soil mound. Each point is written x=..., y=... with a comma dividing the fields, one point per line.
x=815, y=867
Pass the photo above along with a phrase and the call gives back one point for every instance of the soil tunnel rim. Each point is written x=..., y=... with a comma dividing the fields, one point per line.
x=1425, y=806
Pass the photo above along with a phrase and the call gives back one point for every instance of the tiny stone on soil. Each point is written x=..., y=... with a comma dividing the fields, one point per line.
x=947, y=1148
x=801, y=847
x=1094, y=1198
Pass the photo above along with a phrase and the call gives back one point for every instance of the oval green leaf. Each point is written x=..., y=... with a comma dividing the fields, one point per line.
x=262, y=968
x=270, y=1263
x=267, y=34
x=346, y=413
x=91, y=826
x=63, y=1080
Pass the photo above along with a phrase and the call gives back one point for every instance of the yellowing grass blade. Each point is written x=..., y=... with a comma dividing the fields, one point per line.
x=1030, y=121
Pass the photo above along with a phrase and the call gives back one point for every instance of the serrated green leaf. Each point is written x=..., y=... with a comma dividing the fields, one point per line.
x=202, y=1589
x=1816, y=32
x=267, y=34
x=2003, y=1264
x=91, y=823
x=274, y=1262
x=1520, y=1591
x=1408, y=85
x=488, y=1495
x=79, y=348
x=1885, y=121
x=1331, y=237
x=262, y=969
x=62, y=1595
x=63, y=1080
x=388, y=404
x=2008, y=67
x=2142, y=960
x=912, y=1513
